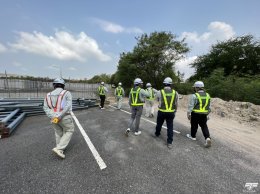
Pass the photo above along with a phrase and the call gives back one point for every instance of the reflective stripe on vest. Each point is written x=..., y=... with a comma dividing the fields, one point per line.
x=101, y=90
x=202, y=106
x=165, y=101
x=58, y=105
x=151, y=92
x=119, y=91
x=135, y=101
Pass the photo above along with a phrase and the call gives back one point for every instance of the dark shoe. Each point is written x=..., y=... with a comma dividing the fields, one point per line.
x=169, y=145
x=154, y=136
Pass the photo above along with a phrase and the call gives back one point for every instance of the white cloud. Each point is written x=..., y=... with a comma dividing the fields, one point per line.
x=115, y=28
x=217, y=31
x=72, y=69
x=2, y=48
x=62, y=46
x=53, y=67
x=183, y=66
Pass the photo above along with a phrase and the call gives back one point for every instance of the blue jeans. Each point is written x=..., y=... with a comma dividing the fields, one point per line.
x=168, y=116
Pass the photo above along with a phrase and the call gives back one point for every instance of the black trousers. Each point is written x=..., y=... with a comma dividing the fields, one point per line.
x=201, y=120
x=168, y=116
x=102, y=100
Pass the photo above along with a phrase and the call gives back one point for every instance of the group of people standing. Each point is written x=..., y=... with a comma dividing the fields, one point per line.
x=58, y=105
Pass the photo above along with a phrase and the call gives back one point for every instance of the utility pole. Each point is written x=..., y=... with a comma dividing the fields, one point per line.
x=7, y=86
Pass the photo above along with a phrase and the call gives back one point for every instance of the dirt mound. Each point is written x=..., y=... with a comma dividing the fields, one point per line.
x=243, y=112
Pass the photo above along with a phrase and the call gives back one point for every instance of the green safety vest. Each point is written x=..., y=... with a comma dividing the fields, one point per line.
x=202, y=105
x=135, y=101
x=101, y=90
x=151, y=92
x=168, y=101
x=119, y=91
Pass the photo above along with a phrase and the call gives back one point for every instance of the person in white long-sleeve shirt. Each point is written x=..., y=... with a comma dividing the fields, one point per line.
x=168, y=104
x=136, y=102
x=198, y=111
x=57, y=106
x=149, y=101
x=102, y=90
x=119, y=94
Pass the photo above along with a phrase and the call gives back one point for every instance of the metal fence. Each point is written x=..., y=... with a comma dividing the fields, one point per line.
x=16, y=88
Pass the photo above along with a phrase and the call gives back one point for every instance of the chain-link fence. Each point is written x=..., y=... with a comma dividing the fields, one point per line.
x=16, y=88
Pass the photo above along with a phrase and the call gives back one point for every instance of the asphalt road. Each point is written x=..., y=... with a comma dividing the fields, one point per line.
x=135, y=164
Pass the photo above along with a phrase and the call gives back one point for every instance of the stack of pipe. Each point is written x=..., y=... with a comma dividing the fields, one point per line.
x=13, y=111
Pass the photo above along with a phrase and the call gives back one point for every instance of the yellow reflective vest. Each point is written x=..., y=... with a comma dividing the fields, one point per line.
x=101, y=90
x=168, y=101
x=135, y=101
x=203, y=102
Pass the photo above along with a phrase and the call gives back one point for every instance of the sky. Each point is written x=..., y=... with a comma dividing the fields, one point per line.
x=82, y=38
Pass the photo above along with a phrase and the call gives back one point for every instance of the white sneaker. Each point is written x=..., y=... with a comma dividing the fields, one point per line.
x=59, y=153
x=138, y=133
x=127, y=131
x=192, y=138
x=208, y=142
x=103, y=108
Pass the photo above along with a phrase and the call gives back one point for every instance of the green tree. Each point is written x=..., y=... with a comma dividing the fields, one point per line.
x=238, y=56
x=100, y=78
x=152, y=59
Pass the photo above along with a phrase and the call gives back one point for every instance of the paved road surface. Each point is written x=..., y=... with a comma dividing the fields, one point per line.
x=137, y=164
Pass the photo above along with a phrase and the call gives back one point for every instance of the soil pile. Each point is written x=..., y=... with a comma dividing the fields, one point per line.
x=243, y=112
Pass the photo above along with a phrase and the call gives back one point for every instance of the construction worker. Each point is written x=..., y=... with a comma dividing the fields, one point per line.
x=102, y=90
x=136, y=102
x=168, y=102
x=119, y=94
x=149, y=101
x=198, y=110
x=57, y=106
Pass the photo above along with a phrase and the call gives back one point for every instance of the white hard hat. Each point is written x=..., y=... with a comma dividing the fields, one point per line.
x=148, y=85
x=167, y=80
x=138, y=81
x=120, y=84
x=59, y=81
x=102, y=83
x=198, y=84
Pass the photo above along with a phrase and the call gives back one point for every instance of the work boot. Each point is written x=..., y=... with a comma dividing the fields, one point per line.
x=192, y=138
x=127, y=131
x=208, y=142
x=59, y=153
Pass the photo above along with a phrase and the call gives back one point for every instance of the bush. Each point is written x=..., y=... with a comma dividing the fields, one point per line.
x=245, y=89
